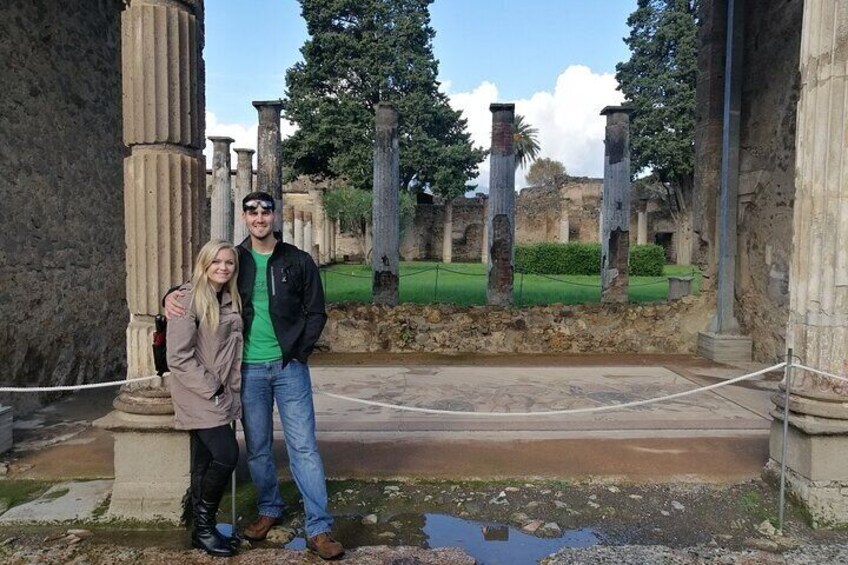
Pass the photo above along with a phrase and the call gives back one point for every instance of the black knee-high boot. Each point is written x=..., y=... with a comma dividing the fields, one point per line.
x=205, y=535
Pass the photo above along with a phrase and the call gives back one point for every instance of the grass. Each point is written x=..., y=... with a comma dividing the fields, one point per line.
x=15, y=492
x=465, y=284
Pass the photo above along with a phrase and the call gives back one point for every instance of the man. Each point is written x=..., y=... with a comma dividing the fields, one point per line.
x=283, y=310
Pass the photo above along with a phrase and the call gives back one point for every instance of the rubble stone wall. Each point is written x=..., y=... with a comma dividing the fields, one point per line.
x=62, y=277
x=588, y=328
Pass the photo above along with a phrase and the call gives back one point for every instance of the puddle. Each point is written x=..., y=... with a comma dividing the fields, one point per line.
x=489, y=543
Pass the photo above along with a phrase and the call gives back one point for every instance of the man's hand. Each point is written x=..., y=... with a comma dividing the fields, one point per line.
x=173, y=308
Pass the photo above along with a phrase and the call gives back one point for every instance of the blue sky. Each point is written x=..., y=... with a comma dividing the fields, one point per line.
x=553, y=58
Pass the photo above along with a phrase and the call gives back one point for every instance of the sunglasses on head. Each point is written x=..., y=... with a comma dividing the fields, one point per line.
x=254, y=204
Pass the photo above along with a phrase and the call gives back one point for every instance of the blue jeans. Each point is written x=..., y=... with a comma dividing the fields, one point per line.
x=291, y=388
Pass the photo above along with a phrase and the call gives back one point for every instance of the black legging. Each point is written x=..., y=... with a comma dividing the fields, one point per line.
x=213, y=444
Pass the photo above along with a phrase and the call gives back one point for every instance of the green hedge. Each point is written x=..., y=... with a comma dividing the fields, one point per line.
x=583, y=259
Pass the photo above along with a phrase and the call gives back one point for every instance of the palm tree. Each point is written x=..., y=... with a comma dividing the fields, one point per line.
x=525, y=141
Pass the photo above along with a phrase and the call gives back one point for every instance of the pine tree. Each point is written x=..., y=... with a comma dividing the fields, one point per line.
x=361, y=52
x=659, y=80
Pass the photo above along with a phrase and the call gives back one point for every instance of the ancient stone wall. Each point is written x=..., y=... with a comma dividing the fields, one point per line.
x=588, y=328
x=62, y=303
x=767, y=171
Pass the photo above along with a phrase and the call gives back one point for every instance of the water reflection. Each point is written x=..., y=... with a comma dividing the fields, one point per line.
x=489, y=543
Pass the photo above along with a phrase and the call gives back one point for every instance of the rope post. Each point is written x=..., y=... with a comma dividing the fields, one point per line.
x=436, y=288
x=787, y=385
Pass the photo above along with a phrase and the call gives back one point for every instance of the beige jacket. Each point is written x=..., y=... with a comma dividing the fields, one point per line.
x=200, y=361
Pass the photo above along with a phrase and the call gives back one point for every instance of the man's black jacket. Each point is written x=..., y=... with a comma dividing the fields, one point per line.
x=295, y=297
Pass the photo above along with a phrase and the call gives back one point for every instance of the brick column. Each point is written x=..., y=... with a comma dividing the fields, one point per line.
x=269, y=156
x=500, y=219
x=615, y=207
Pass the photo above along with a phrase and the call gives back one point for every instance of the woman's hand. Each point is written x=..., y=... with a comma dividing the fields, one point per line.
x=173, y=308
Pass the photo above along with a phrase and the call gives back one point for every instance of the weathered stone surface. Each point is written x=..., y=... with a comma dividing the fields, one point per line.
x=588, y=328
x=62, y=309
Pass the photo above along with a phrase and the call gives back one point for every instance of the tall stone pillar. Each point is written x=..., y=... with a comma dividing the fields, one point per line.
x=447, y=237
x=500, y=219
x=164, y=192
x=288, y=224
x=642, y=223
x=319, y=226
x=817, y=452
x=269, y=156
x=298, y=229
x=221, y=226
x=615, y=207
x=244, y=186
x=385, y=258
x=484, y=253
x=564, y=227
x=307, y=236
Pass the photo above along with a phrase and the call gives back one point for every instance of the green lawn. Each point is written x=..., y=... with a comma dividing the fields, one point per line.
x=465, y=284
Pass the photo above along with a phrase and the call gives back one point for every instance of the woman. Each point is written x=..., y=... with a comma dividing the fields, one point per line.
x=204, y=356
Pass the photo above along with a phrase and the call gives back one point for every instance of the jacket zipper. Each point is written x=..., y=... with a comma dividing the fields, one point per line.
x=273, y=286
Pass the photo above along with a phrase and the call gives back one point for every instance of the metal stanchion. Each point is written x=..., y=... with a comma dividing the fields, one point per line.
x=787, y=371
x=436, y=288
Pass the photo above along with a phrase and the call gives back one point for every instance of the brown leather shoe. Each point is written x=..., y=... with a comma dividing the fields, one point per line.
x=325, y=546
x=260, y=528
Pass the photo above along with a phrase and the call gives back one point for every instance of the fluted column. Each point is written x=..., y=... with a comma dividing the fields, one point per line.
x=642, y=223
x=288, y=224
x=564, y=226
x=307, y=236
x=319, y=226
x=244, y=186
x=484, y=253
x=817, y=331
x=500, y=219
x=221, y=209
x=164, y=191
x=447, y=233
x=298, y=229
x=269, y=156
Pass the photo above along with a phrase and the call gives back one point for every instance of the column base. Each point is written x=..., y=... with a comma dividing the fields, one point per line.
x=724, y=348
x=151, y=467
x=816, y=471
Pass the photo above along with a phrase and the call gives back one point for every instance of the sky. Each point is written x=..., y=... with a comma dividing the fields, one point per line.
x=555, y=59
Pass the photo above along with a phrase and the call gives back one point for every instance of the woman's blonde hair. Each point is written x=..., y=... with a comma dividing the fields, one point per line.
x=204, y=299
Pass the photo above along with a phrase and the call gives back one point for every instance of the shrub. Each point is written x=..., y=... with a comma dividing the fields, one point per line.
x=647, y=261
x=583, y=259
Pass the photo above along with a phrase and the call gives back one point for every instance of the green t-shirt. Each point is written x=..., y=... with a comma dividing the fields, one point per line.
x=260, y=343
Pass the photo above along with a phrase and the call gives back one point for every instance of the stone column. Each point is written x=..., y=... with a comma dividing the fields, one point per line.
x=642, y=223
x=164, y=190
x=564, y=227
x=817, y=453
x=244, y=186
x=447, y=237
x=500, y=218
x=484, y=253
x=319, y=226
x=269, y=157
x=615, y=206
x=221, y=226
x=307, y=235
x=298, y=229
x=385, y=259
x=288, y=224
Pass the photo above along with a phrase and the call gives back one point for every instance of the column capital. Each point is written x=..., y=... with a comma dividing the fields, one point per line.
x=275, y=104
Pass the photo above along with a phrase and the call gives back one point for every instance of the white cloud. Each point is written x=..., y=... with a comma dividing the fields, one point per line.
x=571, y=129
x=245, y=135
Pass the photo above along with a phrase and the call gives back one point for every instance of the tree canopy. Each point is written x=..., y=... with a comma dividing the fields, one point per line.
x=525, y=139
x=361, y=52
x=546, y=172
x=659, y=80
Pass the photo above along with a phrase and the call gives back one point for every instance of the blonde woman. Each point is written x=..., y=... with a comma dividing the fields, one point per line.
x=204, y=356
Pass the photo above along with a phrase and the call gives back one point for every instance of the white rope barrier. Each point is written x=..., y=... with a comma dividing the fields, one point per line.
x=74, y=387
x=556, y=412
x=821, y=373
